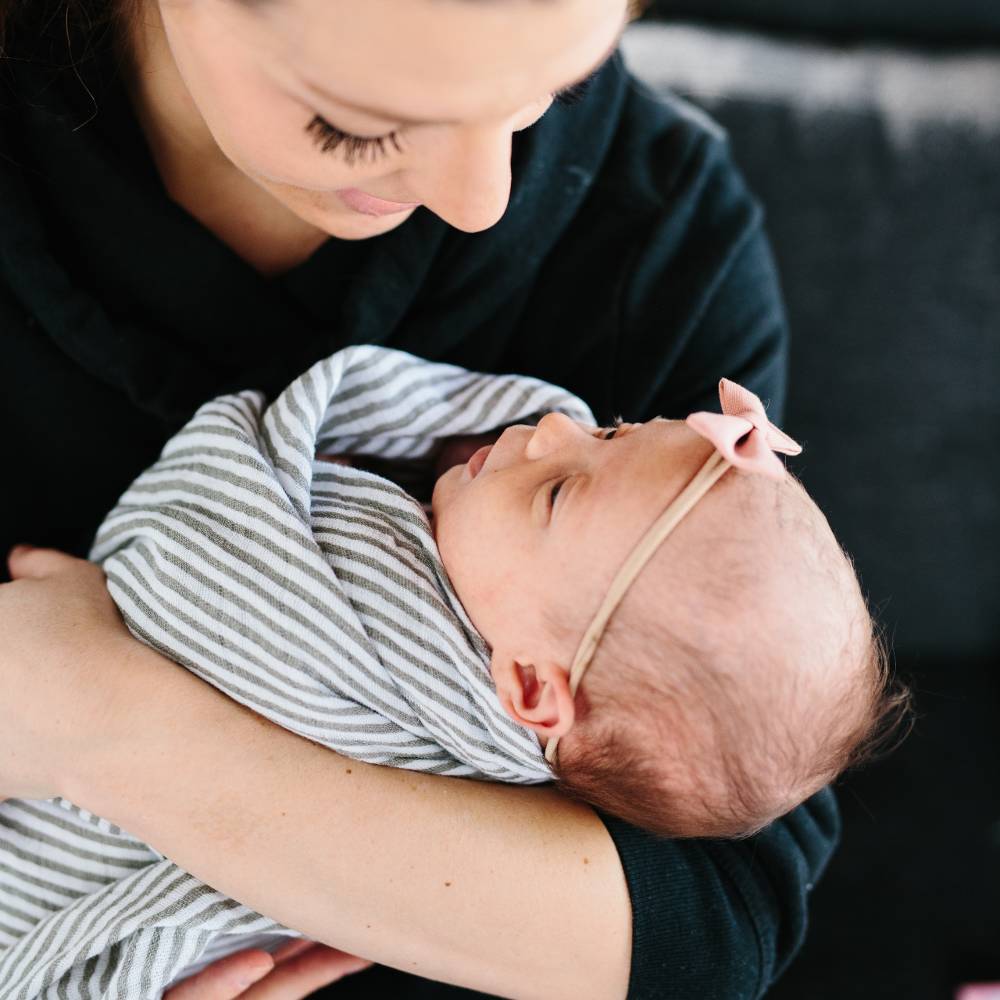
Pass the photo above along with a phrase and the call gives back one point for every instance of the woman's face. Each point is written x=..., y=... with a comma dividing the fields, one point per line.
x=354, y=112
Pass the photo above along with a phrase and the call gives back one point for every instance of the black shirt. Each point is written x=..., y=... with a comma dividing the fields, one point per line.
x=630, y=266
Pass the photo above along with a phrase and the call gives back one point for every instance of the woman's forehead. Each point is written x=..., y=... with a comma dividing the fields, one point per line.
x=440, y=60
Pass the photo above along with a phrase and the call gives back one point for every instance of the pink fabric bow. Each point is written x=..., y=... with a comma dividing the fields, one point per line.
x=742, y=434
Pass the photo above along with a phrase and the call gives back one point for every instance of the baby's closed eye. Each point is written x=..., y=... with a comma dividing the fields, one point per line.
x=607, y=433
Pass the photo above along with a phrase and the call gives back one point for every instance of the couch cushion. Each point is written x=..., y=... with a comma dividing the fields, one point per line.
x=879, y=174
x=972, y=21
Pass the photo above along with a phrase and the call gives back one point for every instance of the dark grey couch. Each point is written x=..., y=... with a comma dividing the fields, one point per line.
x=924, y=22
x=878, y=162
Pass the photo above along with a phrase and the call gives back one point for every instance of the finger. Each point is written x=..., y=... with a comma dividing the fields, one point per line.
x=25, y=561
x=307, y=972
x=291, y=948
x=225, y=979
x=15, y=556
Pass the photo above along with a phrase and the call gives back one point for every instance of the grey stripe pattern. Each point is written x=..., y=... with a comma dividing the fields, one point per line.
x=310, y=592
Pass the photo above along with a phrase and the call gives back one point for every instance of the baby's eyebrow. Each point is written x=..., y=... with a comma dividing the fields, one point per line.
x=571, y=496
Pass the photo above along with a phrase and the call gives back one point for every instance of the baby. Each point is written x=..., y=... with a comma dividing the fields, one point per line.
x=655, y=615
x=732, y=668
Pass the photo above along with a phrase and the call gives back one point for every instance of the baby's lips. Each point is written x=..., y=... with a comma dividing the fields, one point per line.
x=458, y=450
x=478, y=460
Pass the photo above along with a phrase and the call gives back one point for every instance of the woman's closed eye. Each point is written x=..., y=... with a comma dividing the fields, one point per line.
x=329, y=138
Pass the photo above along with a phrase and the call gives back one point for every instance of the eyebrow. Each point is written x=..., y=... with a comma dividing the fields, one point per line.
x=580, y=481
x=325, y=95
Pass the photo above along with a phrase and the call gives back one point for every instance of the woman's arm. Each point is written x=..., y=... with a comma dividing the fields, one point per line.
x=511, y=890
x=427, y=874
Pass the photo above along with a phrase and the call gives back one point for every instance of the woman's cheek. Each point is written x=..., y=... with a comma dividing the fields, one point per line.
x=277, y=148
x=263, y=131
x=532, y=113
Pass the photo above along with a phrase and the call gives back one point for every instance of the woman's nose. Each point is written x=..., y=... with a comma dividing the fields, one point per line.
x=465, y=176
x=554, y=430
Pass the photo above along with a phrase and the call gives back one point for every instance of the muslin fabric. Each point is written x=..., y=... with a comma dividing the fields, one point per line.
x=311, y=592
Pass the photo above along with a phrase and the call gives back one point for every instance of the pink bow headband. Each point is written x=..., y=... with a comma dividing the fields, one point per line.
x=742, y=434
x=744, y=439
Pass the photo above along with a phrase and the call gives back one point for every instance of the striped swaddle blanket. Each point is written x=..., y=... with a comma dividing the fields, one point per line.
x=312, y=593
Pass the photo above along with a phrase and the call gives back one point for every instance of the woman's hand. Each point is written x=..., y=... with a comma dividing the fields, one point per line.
x=64, y=647
x=294, y=971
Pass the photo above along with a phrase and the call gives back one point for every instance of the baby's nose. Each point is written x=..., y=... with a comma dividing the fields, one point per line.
x=554, y=430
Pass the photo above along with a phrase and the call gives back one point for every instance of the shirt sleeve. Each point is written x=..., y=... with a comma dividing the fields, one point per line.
x=702, y=299
x=720, y=920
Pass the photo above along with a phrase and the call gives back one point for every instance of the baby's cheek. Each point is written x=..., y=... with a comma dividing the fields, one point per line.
x=456, y=539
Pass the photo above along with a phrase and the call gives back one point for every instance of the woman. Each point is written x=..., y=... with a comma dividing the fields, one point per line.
x=172, y=175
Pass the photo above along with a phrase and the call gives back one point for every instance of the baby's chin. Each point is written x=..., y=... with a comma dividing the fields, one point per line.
x=444, y=491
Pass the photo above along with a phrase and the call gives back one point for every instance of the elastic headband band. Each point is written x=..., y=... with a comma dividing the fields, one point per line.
x=744, y=439
x=713, y=469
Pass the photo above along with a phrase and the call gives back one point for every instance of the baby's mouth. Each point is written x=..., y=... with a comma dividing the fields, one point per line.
x=477, y=461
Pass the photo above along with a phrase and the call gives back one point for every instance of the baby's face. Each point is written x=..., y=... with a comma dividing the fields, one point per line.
x=543, y=519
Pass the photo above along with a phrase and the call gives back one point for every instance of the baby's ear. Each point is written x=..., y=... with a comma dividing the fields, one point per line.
x=536, y=698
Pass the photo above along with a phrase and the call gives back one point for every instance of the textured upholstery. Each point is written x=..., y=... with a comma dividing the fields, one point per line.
x=878, y=169
x=929, y=21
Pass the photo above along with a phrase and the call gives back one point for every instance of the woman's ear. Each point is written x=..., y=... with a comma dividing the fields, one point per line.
x=537, y=698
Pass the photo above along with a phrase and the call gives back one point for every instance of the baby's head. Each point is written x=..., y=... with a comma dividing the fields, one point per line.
x=740, y=672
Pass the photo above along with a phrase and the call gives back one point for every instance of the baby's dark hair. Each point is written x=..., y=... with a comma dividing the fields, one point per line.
x=714, y=704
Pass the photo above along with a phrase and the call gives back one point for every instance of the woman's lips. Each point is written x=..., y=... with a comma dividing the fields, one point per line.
x=368, y=204
x=478, y=460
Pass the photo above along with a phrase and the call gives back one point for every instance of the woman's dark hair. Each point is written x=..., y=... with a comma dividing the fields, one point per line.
x=86, y=18
x=101, y=14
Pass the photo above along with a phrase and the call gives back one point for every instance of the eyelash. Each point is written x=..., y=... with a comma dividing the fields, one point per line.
x=330, y=138
x=575, y=93
x=607, y=433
